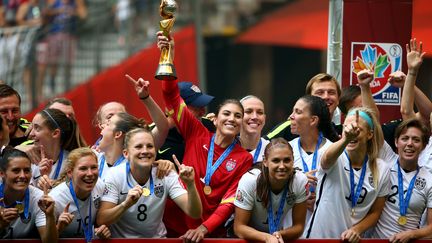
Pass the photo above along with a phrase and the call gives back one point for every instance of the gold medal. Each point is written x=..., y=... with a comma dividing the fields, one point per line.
x=402, y=220
x=352, y=212
x=20, y=208
x=145, y=192
x=207, y=190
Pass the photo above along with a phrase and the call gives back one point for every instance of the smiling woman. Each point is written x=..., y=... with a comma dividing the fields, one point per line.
x=77, y=195
x=20, y=214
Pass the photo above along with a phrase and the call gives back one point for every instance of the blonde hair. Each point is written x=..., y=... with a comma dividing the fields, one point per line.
x=72, y=158
x=375, y=143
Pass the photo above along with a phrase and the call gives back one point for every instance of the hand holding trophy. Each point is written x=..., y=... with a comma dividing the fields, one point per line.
x=166, y=69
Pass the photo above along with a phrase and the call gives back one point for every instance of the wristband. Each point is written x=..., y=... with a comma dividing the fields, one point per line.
x=144, y=98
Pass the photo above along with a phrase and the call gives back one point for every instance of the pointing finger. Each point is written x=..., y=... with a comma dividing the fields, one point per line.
x=357, y=116
x=176, y=161
x=66, y=209
x=45, y=189
x=130, y=78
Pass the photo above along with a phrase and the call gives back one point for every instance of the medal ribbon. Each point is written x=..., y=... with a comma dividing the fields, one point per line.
x=88, y=229
x=355, y=192
x=59, y=165
x=403, y=204
x=257, y=151
x=212, y=168
x=26, y=201
x=314, y=159
x=130, y=186
x=274, y=223
x=102, y=163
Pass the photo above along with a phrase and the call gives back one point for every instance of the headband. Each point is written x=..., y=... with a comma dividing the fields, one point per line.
x=52, y=119
x=363, y=115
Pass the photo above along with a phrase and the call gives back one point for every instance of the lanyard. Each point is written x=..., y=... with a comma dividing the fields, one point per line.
x=102, y=163
x=130, y=186
x=355, y=192
x=257, y=151
x=274, y=223
x=315, y=155
x=59, y=165
x=18, y=204
x=88, y=229
x=403, y=203
x=212, y=168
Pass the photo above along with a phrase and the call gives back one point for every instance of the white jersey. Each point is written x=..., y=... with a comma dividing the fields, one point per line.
x=333, y=203
x=387, y=154
x=62, y=196
x=298, y=163
x=22, y=228
x=421, y=198
x=260, y=156
x=104, y=168
x=144, y=218
x=425, y=158
x=247, y=199
x=36, y=173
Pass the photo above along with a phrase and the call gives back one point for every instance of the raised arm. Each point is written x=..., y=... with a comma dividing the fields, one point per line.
x=365, y=77
x=350, y=132
x=160, y=132
x=414, y=61
x=190, y=203
x=48, y=233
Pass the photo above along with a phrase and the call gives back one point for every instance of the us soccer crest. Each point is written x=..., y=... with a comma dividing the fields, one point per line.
x=159, y=191
x=420, y=183
x=230, y=165
x=382, y=59
x=371, y=180
x=239, y=196
x=290, y=199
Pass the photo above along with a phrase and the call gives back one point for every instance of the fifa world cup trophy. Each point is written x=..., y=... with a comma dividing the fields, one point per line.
x=166, y=69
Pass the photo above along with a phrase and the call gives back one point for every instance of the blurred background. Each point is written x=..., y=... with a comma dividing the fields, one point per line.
x=230, y=48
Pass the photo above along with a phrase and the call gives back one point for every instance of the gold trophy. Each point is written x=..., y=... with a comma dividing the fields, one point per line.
x=166, y=69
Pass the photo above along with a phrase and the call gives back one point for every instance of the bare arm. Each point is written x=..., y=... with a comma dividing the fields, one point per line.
x=244, y=231
x=109, y=212
x=365, y=77
x=409, y=235
x=190, y=203
x=160, y=132
x=81, y=9
x=414, y=61
x=298, y=218
x=372, y=216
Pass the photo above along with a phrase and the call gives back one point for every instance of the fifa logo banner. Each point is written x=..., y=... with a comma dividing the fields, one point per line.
x=382, y=59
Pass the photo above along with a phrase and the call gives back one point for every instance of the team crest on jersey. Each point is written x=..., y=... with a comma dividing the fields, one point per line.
x=25, y=220
x=97, y=202
x=108, y=187
x=230, y=165
x=239, y=196
x=290, y=199
x=371, y=180
x=159, y=191
x=420, y=183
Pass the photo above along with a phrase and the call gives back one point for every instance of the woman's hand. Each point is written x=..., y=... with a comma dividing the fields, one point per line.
x=103, y=232
x=64, y=219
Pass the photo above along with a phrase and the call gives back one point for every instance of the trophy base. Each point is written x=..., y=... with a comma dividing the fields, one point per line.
x=166, y=71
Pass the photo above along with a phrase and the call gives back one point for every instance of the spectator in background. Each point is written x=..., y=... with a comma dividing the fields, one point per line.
x=9, y=12
x=60, y=41
x=123, y=12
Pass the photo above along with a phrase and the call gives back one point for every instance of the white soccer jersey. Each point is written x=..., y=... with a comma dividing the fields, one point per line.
x=333, y=203
x=62, y=196
x=425, y=159
x=27, y=228
x=246, y=198
x=144, y=218
x=260, y=158
x=36, y=173
x=387, y=154
x=421, y=198
x=298, y=163
x=105, y=167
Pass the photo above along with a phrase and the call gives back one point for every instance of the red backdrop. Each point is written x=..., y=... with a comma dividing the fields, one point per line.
x=111, y=84
x=383, y=21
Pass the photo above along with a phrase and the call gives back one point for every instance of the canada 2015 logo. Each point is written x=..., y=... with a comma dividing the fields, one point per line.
x=382, y=59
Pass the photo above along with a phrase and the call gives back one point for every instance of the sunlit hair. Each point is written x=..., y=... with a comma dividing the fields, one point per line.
x=263, y=180
x=97, y=120
x=10, y=153
x=318, y=107
x=71, y=161
x=320, y=78
x=230, y=101
x=413, y=122
x=56, y=119
x=375, y=143
x=133, y=132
